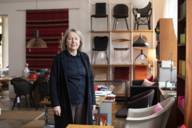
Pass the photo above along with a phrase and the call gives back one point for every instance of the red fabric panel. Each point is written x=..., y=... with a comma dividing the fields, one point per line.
x=46, y=31
x=50, y=23
x=49, y=14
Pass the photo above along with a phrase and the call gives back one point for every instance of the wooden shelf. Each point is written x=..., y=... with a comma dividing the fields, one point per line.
x=100, y=65
x=100, y=31
x=184, y=76
x=121, y=31
x=142, y=30
x=121, y=65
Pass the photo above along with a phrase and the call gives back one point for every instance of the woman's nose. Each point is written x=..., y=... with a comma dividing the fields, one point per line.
x=73, y=40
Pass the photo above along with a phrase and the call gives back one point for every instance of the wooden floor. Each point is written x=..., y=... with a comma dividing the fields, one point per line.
x=15, y=118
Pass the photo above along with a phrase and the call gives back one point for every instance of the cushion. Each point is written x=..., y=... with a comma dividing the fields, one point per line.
x=122, y=113
x=158, y=107
x=146, y=82
x=182, y=126
x=150, y=78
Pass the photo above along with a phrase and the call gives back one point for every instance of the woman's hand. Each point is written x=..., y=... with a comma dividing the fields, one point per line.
x=57, y=110
x=94, y=107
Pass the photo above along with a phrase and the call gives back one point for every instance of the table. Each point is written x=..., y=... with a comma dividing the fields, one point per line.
x=5, y=81
x=103, y=105
x=4, y=84
x=87, y=126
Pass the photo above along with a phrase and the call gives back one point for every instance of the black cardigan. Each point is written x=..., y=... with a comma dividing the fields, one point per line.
x=59, y=90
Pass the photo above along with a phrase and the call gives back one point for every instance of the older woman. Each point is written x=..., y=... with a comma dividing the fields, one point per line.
x=71, y=81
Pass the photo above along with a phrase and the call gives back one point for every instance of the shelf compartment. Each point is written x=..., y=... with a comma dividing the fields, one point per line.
x=181, y=53
x=140, y=72
x=100, y=72
x=121, y=73
x=182, y=68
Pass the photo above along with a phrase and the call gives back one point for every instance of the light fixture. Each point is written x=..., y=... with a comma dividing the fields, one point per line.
x=141, y=41
x=139, y=3
x=36, y=42
x=141, y=56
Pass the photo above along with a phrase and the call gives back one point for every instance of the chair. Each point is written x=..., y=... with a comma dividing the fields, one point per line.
x=100, y=45
x=100, y=12
x=41, y=89
x=42, y=93
x=120, y=11
x=24, y=88
x=142, y=16
x=140, y=100
x=148, y=118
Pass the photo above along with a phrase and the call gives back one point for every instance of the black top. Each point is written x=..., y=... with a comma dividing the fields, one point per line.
x=76, y=78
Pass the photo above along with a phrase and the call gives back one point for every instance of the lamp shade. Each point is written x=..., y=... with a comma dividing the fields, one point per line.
x=139, y=3
x=36, y=42
x=140, y=42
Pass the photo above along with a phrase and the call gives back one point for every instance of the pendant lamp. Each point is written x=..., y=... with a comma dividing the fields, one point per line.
x=36, y=42
x=140, y=42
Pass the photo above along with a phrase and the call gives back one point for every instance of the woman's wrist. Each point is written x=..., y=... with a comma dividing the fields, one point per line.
x=94, y=107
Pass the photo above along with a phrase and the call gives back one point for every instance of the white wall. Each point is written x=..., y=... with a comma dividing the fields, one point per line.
x=78, y=18
x=166, y=9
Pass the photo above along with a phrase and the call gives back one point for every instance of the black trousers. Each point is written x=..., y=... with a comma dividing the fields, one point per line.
x=78, y=114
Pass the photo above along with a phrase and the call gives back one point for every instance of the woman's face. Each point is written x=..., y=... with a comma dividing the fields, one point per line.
x=73, y=41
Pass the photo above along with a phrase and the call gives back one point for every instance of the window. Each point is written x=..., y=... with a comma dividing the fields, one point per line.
x=1, y=38
x=3, y=41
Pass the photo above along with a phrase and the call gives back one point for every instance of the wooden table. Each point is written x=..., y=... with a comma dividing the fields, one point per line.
x=104, y=110
x=5, y=80
x=4, y=85
x=100, y=99
x=87, y=126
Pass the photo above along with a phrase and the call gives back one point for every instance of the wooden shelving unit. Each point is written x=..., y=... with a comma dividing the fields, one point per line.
x=184, y=61
x=121, y=62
